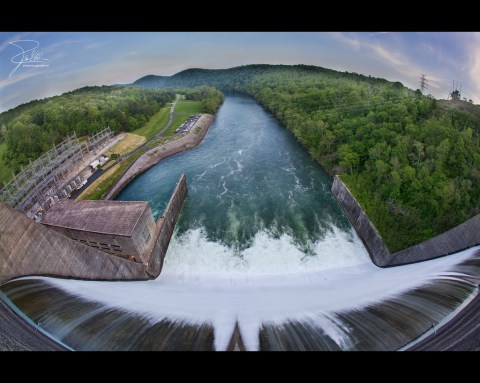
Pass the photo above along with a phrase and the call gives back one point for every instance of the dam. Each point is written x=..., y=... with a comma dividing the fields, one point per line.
x=96, y=240
x=69, y=243
x=262, y=258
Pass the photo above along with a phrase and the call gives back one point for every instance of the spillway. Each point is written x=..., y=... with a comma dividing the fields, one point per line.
x=261, y=246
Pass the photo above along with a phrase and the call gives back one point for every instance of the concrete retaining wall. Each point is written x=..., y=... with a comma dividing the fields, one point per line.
x=159, y=153
x=459, y=238
x=28, y=248
x=367, y=232
x=166, y=226
x=17, y=334
x=454, y=240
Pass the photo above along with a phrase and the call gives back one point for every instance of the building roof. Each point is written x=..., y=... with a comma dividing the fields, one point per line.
x=107, y=217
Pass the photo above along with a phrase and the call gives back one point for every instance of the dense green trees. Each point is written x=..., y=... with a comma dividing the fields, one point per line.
x=411, y=161
x=413, y=166
x=31, y=129
x=211, y=97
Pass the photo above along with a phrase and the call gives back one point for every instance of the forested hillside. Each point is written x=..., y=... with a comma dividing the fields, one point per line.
x=412, y=162
x=32, y=128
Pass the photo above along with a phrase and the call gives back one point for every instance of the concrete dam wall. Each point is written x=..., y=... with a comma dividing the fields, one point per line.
x=30, y=248
x=461, y=237
x=165, y=226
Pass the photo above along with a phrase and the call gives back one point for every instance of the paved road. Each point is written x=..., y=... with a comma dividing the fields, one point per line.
x=158, y=135
x=172, y=116
x=462, y=333
x=99, y=172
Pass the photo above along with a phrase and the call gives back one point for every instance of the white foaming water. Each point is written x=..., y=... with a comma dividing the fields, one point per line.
x=193, y=255
x=188, y=290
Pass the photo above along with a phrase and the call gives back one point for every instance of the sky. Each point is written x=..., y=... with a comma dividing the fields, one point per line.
x=56, y=62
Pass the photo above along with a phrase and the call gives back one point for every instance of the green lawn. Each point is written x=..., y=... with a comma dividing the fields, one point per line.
x=5, y=171
x=126, y=145
x=156, y=123
x=188, y=106
x=183, y=110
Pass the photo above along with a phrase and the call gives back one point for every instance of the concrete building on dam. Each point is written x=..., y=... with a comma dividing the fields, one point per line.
x=96, y=240
x=122, y=228
x=92, y=240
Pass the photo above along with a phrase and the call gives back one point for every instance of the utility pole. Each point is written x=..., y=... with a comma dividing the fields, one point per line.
x=423, y=82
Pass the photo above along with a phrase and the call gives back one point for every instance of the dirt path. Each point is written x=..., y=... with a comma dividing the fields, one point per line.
x=170, y=121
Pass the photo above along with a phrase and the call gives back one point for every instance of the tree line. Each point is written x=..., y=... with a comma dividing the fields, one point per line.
x=413, y=166
x=210, y=97
x=31, y=129
x=412, y=162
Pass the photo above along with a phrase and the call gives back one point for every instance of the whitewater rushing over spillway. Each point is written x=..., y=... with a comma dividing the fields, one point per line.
x=358, y=307
x=261, y=247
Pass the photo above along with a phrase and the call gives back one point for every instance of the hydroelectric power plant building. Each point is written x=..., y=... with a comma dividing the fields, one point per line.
x=122, y=228
x=96, y=240
x=43, y=232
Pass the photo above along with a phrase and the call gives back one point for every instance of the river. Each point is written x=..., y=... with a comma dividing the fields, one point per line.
x=261, y=244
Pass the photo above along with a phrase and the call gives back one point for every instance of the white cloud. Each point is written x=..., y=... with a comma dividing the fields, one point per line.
x=18, y=77
x=374, y=34
x=475, y=67
x=4, y=45
x=394, y=60
x=353, y=41
x=96, y=45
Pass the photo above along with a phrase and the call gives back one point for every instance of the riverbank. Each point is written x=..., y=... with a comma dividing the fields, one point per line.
x=152, y=157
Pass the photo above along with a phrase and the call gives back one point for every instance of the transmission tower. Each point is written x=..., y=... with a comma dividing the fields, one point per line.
x=423, y=82
x=456, y=94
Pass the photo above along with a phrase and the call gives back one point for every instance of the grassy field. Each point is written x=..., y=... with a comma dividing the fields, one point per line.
x=5, y=171
x=156, y=123
x=127, y=144
x=183, y=110
x=132, y=140
x=102, y=184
